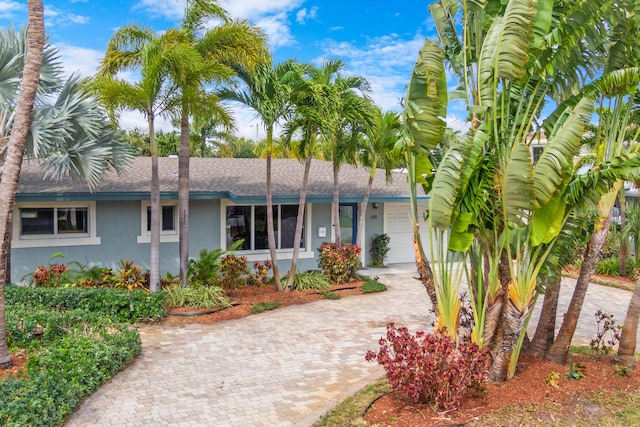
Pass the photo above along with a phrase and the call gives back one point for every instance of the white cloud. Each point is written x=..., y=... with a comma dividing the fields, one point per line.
x=57, y=18
x=78, y=19
x=386, y=62
x=8, y=8
x=79, y=59
x=303, y=15
x=171, y=9
x=276, y=30
x=78, y=1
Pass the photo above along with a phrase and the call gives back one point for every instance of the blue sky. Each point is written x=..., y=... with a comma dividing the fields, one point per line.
x=377, y=40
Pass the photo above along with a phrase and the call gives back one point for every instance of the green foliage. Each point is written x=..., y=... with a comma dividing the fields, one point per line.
x=197, y=296
x=264, y=306
x=121, y=306
x=609, y=267
x=371, y=286
x=206, y=270
x=328, y=294
x=127, y=277
x=631, y=228
x=260, y=274
x=76, y=340
x=55, y=274
x=309, y=280
x=62, y=374
x=576, y=371
x=379, y=249
x=339, y=264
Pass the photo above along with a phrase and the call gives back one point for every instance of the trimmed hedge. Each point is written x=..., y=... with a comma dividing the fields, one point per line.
x=121, y=306
x=61, y=375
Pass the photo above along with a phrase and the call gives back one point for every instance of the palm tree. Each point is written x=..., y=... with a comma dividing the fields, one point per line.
x=627, y=345
x=314, y=97
x=267, y=90
x=214, y=52
x=378, y=150
x=16, y=146
x=138, y=48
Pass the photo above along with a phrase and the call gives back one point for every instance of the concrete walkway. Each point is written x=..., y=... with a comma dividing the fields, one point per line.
x=280, y=368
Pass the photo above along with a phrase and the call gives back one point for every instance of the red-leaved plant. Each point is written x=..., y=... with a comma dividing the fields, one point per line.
x=430, y=368
x=339, y=264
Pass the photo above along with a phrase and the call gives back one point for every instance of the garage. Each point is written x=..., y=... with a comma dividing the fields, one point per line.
x=397, y=225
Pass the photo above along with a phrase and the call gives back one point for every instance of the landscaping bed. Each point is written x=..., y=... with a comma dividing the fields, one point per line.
x=247, y=297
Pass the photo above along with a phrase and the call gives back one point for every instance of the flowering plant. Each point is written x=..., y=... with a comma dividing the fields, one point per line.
x=339, y=264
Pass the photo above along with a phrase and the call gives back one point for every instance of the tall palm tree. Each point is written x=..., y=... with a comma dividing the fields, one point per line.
x=314, y=97
x=267, y=90
x=138, y=48
x=378, y=150
x=215, y=51
x=16, y=146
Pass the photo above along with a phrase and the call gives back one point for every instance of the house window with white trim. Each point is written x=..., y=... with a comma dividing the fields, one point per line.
x=54, y=224
x=168, y=221
x=249, y=224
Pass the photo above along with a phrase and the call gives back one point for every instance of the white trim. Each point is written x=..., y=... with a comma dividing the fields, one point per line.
x=169, y=236
x=49, y=240
x=262, y=254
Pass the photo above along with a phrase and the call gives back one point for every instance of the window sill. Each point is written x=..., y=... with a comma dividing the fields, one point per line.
x=55, y=241
x=164, y=238
x=286, y=255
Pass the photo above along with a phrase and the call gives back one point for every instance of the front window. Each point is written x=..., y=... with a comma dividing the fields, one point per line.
x=53, y=221
x=249, y=224
x=167, y=221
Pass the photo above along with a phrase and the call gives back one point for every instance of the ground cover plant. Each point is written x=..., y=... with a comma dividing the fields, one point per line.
x=74, y=339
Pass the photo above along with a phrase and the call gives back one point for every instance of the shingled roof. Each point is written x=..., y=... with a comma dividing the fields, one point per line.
x=210, y=178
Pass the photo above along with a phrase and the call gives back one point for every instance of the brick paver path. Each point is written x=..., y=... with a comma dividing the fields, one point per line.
x=280, y=368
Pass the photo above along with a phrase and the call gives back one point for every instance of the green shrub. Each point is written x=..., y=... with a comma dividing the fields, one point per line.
x=329, y=295
x=379, y=249
x=55, y=274
x=609, y=267
x=121, y=306
x=309, y=280
x=197, y=296
x=264, y=306
x=339, y=264
x=206, y=269
x=371, y=286
x=60, y=376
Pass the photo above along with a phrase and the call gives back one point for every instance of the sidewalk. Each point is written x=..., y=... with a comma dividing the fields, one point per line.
x=280, y=368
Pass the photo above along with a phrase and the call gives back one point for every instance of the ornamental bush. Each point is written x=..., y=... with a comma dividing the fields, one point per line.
x=339, y=264
x=430, y=368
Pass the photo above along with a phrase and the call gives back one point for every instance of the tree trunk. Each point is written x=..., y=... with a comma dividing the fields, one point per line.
x=546, y=329
x=298, y=235
x=154, y=261
x=363, y=208
x=15, y=149
x=560, y=348
x=183, y=195
x=271, y=236
x=336, y=206
x=627, y=345
x=624, y=241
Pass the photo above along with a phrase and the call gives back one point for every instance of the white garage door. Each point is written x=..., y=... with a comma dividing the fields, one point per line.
x=397, y=225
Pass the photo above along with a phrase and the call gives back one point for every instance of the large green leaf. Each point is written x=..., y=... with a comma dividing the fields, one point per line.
x=426, y=102
x=547, y=221
x=556, y=159
x=517, y=185
x=516, y=36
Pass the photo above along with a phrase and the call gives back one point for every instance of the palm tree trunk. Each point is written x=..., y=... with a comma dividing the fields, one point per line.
x=154, y=261
x=183, y=195
x=271, y=236
x=627, y=345
x=363, y=208
x=298, y=235
x=336, y=205
x=624, y=241
x=15, y=149
x=546, y=329
x=560, y=348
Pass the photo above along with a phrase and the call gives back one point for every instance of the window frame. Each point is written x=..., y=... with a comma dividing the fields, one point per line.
x=166, y=236
x=259, y=254
x=19, y=240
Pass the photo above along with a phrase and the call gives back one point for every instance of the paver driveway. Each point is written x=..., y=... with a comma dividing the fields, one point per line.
x=281, y=368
